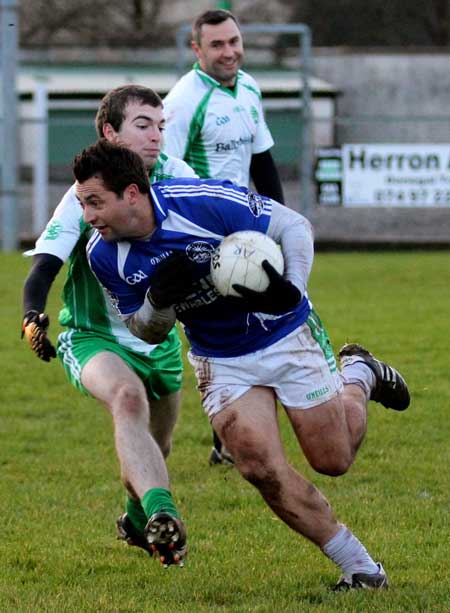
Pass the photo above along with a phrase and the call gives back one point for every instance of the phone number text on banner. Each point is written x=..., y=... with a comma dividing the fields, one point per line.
x=396, y=175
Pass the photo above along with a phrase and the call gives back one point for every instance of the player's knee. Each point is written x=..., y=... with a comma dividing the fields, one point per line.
x=130, y=401
x=260, y=473
x=332, y=464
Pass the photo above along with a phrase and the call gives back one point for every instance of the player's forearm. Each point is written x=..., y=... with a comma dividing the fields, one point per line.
x=294, y=233
x=265, y=176
x=151, y=324
x=39, y=281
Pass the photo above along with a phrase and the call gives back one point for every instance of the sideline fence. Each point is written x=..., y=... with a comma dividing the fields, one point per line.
x=52, y=132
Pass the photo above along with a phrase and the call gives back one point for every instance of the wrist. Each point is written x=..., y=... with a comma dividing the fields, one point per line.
x=30, y=314
x=155, y=303
x=152, y=323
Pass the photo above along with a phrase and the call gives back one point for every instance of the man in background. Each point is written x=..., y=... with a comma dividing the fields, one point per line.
x=215, y=120
x=139, y=384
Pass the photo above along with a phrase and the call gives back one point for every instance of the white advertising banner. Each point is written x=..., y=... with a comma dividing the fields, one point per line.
x=396, y=175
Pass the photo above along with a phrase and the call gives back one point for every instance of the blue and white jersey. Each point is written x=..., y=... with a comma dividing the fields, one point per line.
x=193, y=216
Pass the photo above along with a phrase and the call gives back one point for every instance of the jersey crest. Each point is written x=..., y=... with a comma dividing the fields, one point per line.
x=255, y=203
x=199, y=251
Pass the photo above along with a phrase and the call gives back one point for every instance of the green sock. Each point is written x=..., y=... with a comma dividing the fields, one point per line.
x=136, y=513
x=158, y=499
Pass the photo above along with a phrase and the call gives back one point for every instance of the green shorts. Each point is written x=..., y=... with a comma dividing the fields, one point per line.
x=161, y=371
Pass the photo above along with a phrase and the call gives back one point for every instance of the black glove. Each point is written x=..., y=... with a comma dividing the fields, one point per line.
x=34, y=328
x=280, y=296
x=172, y=281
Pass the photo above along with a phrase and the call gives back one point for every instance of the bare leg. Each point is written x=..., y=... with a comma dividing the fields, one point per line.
x=163, y=417
x=355, y=403
x=331, y=433
x=112, y=382
x=249, y=429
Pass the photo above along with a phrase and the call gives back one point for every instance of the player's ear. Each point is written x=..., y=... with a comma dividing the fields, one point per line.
x=132, y=193
x=195, y=47
x=108, y=132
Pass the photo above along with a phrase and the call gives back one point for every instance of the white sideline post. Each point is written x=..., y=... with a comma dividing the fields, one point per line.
x=40, y=158
x=8, y=123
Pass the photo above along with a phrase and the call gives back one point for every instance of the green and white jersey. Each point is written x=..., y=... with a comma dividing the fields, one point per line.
x=169, y=167
x=216, y=130
x=86, y=305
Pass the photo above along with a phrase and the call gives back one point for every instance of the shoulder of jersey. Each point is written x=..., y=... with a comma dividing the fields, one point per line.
x=69, y=206
x=246, y=79
x=175, y=167
x=184, y=97
x=191, y=82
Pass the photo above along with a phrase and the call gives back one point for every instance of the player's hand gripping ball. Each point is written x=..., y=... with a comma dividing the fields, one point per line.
x=238, y=260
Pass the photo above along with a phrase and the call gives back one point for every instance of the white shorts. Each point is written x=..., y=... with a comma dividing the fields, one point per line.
x=300, y=368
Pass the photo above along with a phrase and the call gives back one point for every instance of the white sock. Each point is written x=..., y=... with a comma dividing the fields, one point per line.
x=360, y=374
x=350, y=554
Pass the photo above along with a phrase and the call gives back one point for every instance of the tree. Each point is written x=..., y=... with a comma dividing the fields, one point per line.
x=374, y=22
x=152, y=23
x=437, y=22
x=47, y=23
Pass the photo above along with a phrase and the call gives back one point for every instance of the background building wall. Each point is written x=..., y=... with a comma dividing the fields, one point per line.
x=403, y=96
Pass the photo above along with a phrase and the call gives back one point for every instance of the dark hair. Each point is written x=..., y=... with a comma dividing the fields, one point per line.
x=211, y=18
x=117, y=166
x=113, y=105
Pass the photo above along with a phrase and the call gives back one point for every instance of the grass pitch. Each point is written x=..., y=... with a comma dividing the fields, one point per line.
x=60, y=491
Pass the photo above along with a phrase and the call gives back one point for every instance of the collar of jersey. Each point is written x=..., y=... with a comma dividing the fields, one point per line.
x=159, y=162
x=210, y=81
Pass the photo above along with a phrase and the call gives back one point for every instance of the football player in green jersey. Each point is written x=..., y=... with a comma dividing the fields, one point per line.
x=139, y=384
x=215, y=121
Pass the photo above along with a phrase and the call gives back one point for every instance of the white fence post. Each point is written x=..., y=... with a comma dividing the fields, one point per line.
x=8, y=123
x=40, y=158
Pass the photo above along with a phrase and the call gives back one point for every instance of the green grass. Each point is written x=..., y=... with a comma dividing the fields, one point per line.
x=60, y=492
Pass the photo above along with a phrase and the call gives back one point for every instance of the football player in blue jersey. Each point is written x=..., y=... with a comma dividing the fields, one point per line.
x=151, y=251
